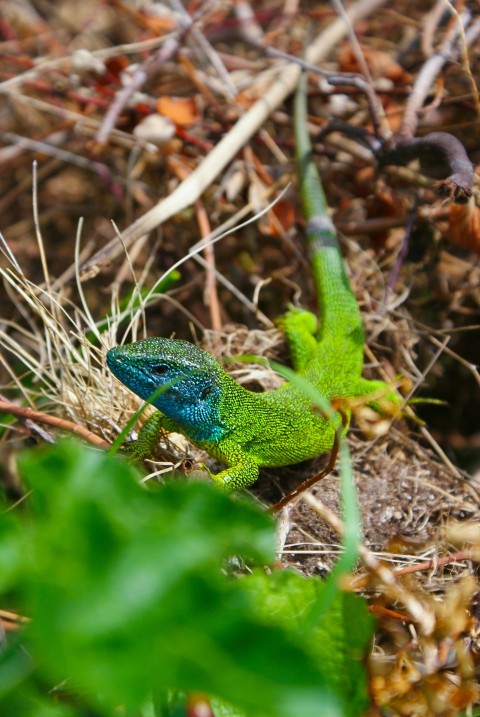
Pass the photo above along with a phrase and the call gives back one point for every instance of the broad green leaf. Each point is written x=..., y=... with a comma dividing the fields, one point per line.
x=19, y=694
x=127, y=592
x=339, y=639
x=11, y=551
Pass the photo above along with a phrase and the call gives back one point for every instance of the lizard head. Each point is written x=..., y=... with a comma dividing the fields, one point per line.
x=181, y=380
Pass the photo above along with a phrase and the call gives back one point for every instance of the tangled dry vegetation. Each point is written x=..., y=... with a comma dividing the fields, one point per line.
x=174, y=122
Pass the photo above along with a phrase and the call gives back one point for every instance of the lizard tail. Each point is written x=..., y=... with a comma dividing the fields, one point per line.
x=339, y=312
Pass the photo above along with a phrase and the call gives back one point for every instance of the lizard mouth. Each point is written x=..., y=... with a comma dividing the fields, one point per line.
x=113, y=357
x=118, y=363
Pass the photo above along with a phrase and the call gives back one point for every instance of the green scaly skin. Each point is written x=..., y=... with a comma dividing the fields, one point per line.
x=247, y=430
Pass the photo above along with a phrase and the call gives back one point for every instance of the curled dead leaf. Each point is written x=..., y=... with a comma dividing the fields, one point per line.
x=397, y=682
x=380, y=64
x=371, y=423
x=464, y=225
x=181, y=110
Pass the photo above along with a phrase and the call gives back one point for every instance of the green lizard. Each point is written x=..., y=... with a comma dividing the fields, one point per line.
x=247, y=430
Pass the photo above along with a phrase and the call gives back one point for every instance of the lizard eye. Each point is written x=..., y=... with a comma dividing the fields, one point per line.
x=205, y=393
x=160, y=369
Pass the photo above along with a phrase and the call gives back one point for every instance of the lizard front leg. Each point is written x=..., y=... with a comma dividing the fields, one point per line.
x=147, y=437
x=242, y=469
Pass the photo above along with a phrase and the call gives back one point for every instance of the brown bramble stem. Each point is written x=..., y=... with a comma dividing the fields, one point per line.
x=60, y=423
x=358, y=583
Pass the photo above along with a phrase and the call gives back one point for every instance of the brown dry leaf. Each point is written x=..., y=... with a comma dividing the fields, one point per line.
x=403, y=689
x=464, y=226
x=453, y=613
x=384, y=203
x=398, y=681
x=393, y=113
x=181, y=110
x=371, y=423
x=115, y=66
x=244, y=101
x=364, y=179
x=380, y=64
x=284, y=211
x=160, y=24
x=430, y=674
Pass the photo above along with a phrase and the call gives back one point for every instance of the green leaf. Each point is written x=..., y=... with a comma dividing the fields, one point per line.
x=11, y=551
x=338, y=640
x=19, y=695
x=127, y=592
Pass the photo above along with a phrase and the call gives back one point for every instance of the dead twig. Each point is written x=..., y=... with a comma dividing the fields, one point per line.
x=206, y=172
x=60, y=423
x=138, y=79
x=360, y=582
x=441, y=155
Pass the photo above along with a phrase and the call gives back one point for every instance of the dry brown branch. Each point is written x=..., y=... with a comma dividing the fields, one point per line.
x=211, y=293
x=60, y=423
x=187, y=192
x=362, y=581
